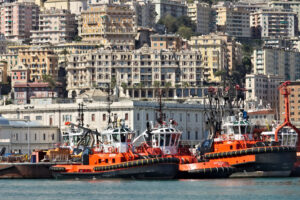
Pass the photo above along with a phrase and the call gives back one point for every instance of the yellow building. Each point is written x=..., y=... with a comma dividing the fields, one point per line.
x=40, y=62
x=166, y=41
x=109, y=25
x=219, y=52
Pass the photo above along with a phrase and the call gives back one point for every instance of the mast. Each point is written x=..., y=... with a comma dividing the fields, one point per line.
x=109, y=102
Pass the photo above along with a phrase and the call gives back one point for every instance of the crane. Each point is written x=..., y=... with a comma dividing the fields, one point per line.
x=285, y=91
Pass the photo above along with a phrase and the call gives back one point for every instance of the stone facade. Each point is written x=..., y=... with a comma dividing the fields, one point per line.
x=140, y=71
x=110, y=25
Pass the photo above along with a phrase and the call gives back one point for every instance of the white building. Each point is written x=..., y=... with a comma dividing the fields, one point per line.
x=55, y=27
x=19, y=136
x=263, y=90
x=277, y=61
x=176, y=8
x=274, y=22
x=200, y=13
x=190, y=117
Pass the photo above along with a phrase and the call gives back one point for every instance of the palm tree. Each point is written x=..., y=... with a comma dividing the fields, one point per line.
x=167, y=86
x=156, y=85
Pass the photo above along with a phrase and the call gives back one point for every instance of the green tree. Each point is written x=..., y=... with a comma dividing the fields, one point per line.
x=77, y=38
x=113, y=82
x=51, y=82
x=156, y=84
x=124, y=86
x=185, y=32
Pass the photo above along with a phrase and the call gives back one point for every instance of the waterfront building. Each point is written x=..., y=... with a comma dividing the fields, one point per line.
x=18, y=19
x=140, y=72
x=175, y=8
x=262, y=90
x=109, y=25
x=200, y=13
x=24, y=136
x=274, y=22
x=263, y=117
x=234, y=21
x=190, y=116
x=278, y=62
x=40, y=62
x=74, y=6
x=294, y=100
x=55, y=27
x=166, y=41
x=219, y=52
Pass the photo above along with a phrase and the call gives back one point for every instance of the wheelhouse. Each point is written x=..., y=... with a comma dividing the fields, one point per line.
x=116, y=139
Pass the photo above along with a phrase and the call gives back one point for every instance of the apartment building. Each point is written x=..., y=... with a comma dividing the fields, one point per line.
x=277, y=61
x=166, y=41
x=55, y=27
x=144, y=12
x=40, y=62
x=263, y=90
x=17, y=19
x=292, y=5
x=274, y=22
x=74, y=6
x=235, y=21
x=139, y=72
x=110, y=25
x=219, y=52
x=200, y=13
x=176, y=8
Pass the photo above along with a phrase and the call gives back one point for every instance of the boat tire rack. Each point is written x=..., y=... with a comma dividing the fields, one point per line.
x=58, y=169
x=250, y=151
x=215, y=170
x=137, y=163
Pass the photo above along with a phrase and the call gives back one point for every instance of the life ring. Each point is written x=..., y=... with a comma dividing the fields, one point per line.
x=110, y=149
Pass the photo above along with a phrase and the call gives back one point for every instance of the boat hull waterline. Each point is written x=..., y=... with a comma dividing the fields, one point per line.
x=259, y=162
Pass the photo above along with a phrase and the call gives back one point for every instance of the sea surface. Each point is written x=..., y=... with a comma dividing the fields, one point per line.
x=241, y=189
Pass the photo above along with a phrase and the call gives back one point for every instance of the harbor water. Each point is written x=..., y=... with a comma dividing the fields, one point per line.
x=242, y=189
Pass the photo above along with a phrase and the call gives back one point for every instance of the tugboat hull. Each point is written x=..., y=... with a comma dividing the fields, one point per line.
x=267, y=165
x=25, y=170
x=155, y=171
x=259, y=162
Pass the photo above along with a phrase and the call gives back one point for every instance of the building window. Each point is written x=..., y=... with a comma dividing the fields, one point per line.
x=50, y=121
x=17, y=137
x=196, y=117
x=38, y=117
x=147, y=116
x=26, y=137
x=52, y=136
x=93, y=117
x=126, y=116
x=104, y=117
x=138, y=116
x=188, y=135
x=35, y=136
x=196, y=135
x=180, y=117
x=188, y=117
x=44, y=136
x=27, y=118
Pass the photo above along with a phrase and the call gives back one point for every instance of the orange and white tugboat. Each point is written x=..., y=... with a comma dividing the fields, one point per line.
x=164, y=140
x=113, y=158
x=253, y=155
